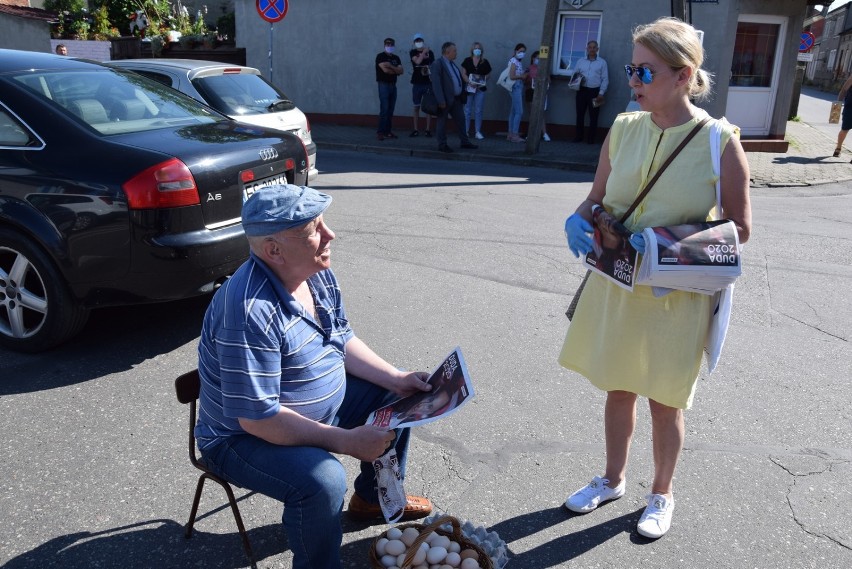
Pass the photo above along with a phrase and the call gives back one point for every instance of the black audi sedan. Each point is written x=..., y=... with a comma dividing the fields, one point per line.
x=114, y=190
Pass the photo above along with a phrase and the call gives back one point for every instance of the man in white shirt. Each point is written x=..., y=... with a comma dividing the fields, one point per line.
x=591, y=94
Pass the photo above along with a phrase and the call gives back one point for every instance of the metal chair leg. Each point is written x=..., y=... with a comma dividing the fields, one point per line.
x=198, y=488
x=240, y=526
x=232, y=500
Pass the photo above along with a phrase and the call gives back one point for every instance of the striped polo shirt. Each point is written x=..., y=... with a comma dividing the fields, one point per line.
x=260, y=349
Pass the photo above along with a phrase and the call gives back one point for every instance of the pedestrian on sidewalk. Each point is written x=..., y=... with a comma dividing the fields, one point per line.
x=421, y=58
x=388, y=68
x=844, y=95
x=518, y=75
x=475, y=71
x=590, y=97
x=449, y=90
x=633, y=344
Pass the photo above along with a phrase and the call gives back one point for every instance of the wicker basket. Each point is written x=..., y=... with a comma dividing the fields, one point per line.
x=425, y=530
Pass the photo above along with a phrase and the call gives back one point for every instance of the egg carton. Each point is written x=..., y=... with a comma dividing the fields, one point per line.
x=488, y=541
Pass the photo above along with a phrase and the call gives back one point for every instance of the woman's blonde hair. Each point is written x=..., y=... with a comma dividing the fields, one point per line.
x=678, y=45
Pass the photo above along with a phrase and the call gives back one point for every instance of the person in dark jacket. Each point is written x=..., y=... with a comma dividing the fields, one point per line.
x=448, y=85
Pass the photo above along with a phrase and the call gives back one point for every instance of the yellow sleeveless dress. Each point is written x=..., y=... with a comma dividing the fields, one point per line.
x=633, y=341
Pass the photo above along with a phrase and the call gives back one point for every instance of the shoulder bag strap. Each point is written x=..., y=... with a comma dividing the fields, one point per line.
x=665, y=165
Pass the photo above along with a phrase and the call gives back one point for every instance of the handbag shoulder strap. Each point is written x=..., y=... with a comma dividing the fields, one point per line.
x=665, y=165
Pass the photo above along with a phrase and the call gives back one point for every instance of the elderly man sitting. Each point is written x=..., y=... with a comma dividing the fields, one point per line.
x=285, y=382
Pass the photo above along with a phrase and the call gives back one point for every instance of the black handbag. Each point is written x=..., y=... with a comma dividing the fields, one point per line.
x=429, y=103
x=573, y=306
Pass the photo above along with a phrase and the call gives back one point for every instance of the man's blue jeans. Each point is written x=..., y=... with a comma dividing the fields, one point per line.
x=387, y=102
x=310, y=481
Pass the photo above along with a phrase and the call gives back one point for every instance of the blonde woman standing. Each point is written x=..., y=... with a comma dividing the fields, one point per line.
x=635, y=344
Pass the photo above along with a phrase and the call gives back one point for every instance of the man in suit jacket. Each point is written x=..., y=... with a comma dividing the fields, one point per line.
x=448, y=87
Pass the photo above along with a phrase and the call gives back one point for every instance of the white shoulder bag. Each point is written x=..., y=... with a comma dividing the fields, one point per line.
x=722, y=300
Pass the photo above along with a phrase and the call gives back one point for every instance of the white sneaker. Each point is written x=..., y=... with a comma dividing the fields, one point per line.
x=657, y=517
x=590, y=497
x=479, y=136
x=546, y=137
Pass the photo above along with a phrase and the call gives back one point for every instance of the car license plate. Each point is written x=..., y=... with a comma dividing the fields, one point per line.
x=251, y=188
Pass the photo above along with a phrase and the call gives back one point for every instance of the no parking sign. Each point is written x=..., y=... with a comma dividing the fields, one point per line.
x=272, y=10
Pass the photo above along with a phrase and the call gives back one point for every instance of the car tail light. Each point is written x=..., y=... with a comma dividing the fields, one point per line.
x=232, y=70
x=307, y=124
x=168, y=184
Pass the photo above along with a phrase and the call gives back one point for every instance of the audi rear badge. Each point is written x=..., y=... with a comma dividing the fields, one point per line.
x=268, y=154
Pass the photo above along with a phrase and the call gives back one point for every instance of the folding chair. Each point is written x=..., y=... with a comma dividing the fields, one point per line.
x=188, y=387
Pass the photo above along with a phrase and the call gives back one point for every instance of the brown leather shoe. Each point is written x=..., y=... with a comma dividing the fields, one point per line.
x=416, y=507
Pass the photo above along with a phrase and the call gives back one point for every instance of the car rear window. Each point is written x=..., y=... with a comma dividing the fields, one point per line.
x=114, y=102
x=236, y=94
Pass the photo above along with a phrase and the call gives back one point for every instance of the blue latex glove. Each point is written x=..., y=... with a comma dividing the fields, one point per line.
x=578, y=231
x=638, y=242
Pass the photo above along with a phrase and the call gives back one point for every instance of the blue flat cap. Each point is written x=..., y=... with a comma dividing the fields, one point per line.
x=276, y=208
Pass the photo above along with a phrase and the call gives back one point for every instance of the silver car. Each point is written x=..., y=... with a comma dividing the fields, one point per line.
x=234, y=90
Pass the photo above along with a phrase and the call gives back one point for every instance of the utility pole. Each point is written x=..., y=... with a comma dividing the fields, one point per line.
x=543, y=77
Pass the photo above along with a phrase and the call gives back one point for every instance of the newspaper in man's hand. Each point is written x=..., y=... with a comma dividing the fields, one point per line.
x=451, y=388
x=696, y=257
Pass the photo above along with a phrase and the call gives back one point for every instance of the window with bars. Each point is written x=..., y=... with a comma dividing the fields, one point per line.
x=575, y=30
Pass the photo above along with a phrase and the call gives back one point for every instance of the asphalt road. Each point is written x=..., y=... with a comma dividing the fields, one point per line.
x=434, y=254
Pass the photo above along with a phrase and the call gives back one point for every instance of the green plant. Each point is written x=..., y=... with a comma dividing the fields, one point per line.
x=80, y=28
x=101, y=26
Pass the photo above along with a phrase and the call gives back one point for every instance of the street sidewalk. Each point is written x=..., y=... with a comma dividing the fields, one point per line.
x=807, y=162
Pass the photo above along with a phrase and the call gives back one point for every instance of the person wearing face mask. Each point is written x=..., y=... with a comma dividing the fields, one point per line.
x=421, y=58
x=475, y=71
x=388, y=68
x=518, y=75
x=591, y=94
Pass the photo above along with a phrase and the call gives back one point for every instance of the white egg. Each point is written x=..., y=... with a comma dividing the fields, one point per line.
x=394, y=533
x=454, y=547
x=394, y=547
x=420, y=557
x=453, y=559
x=436, y=554
x=389, y=560
x=409, y=535
x=441, y=541
x=400, y=558
x=380, y=546
x=431, y=537
x=469, y=563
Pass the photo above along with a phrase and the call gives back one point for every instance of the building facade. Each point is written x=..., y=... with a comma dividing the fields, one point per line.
x=322, y=53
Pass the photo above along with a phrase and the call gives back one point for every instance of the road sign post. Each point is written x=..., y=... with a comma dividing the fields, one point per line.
x=272, y=11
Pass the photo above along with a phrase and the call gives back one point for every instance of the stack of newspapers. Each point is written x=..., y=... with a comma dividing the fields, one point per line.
x=696, y=257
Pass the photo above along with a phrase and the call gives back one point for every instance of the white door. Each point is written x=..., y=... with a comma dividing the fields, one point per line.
x=753, y=82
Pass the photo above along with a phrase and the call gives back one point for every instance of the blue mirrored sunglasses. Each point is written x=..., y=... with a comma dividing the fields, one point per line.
x=644, y=74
